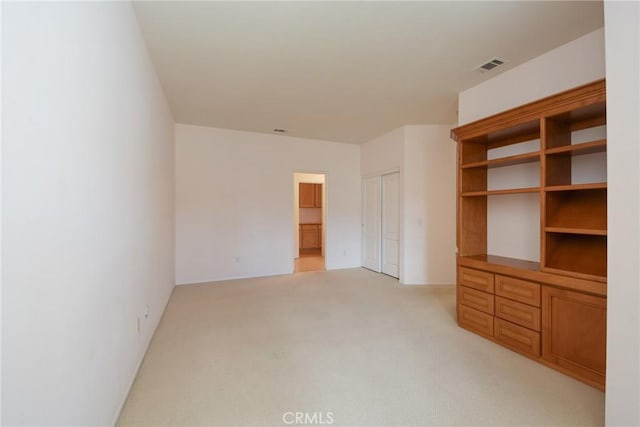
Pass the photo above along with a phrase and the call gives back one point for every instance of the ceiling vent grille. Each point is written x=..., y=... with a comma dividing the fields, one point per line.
x=491, y=64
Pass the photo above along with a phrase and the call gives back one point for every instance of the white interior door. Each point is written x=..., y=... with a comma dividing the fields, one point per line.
x=371, y=204
x=391, y=224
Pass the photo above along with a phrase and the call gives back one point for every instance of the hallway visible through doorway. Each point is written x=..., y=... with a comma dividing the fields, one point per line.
x=309, y=221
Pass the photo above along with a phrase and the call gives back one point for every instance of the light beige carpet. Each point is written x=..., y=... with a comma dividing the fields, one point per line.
x=351, y=343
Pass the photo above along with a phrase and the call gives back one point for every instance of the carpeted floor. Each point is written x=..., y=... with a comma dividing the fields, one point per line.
x=348, y=346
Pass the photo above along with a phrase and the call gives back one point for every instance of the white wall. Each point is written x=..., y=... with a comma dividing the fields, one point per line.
x=429, y=205
x=383, y=154
x=1, y=275
x=513, y=221
x=426, y=159
x=223, y=177
x=622, y=24
x=88, y=210
x=573, y=64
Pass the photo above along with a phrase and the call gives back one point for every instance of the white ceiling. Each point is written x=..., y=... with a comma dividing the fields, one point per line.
x=342, y=71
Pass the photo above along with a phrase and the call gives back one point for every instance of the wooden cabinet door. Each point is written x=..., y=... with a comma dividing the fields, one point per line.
x=309, y=236
x=317, y=191
x=574, y=333
x=306, y=195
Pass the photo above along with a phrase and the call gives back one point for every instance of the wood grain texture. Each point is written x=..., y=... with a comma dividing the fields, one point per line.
x=578, y=209
x=517, y=289
x=517, y=312
x=309, y=236
x=317, y=195
x=306, y=195
x=574, y=332
x=480, y=280
x=475, y=299
x=516, y=337
x=476, y=321
x=578, y=254
x=528, y=270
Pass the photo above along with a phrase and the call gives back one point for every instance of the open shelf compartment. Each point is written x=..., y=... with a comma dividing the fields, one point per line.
x=576, y=254
x=577, y=211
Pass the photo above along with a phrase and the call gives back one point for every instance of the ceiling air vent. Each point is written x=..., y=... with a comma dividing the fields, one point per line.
x=491, y=64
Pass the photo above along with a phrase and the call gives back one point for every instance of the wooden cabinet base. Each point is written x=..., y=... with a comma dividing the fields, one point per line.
x=560, y=328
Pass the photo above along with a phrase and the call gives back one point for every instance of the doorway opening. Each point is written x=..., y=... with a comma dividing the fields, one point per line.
x=309, y=219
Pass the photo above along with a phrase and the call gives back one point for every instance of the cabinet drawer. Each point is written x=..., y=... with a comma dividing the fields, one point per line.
x=517, y=289
x=475, y=299
x=480, y=280
x=517, y=338
x=477, y=321
x=516, y=312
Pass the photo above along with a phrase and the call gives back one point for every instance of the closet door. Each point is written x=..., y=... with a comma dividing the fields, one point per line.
x=391, y=224
x=371, y=191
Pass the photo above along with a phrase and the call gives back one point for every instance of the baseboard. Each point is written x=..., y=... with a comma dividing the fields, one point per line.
x=224, y=279
x=141, y=361
x=428, y=284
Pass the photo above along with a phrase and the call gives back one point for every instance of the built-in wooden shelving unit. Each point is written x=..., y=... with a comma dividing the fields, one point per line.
x=560, y=301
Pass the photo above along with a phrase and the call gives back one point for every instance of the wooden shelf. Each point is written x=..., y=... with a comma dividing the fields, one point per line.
x=579, y=275
x=501, y=192
x=575, y=187
x=599, y=146
x=571, y=230
x=501, y=261
x=505, y=161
